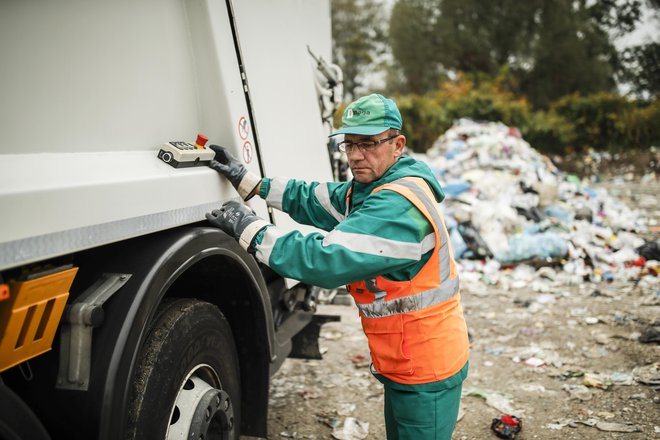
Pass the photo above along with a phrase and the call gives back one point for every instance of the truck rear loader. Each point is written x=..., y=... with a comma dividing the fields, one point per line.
x=123, y=314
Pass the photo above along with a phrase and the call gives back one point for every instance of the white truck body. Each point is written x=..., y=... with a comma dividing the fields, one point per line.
x=123, y=313
x=88, y=97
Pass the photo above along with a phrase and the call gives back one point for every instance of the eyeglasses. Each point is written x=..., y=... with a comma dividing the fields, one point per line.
x=349, y=147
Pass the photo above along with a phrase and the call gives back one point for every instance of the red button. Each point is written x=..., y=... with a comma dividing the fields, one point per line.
x=201, y=140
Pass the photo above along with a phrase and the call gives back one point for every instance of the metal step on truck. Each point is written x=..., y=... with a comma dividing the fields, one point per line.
x=123, y=314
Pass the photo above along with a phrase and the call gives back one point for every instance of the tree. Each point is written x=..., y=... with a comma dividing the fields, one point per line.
x=431, y=38
x=358, y=34
x=572, y=53
x=640, y=67
x=478, y=36
x=414, y=44
x=551, y=47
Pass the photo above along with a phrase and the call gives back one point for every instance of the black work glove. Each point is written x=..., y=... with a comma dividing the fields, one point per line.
x=243, y=180
x=239, y=221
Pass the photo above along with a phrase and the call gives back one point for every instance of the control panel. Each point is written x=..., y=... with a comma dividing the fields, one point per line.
x=185, y=154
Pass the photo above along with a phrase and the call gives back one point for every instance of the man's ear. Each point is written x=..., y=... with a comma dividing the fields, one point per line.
x=400, y=144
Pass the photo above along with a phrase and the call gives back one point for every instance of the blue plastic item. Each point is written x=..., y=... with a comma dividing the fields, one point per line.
x=456, y=187
x=590, y=192
x=458, y=245
x=559, y=213
x=534, y=247
x=455, y=147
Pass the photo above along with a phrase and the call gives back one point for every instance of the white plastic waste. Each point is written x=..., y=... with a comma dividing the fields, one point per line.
x=521, y=208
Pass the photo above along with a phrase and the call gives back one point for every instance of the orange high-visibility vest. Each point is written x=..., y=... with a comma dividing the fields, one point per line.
x=416, y=329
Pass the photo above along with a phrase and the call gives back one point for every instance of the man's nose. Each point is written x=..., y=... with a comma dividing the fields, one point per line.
x=354, y=153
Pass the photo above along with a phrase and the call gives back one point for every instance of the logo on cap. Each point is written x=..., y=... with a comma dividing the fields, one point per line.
x=349, y=113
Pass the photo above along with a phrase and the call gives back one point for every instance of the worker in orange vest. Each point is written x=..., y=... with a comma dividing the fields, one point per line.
x=387, y=242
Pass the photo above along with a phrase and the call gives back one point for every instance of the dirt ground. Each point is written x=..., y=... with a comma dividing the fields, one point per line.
x=566, y=359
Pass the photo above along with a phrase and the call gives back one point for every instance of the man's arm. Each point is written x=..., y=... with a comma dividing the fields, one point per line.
x=321, y=205
x=388, y=235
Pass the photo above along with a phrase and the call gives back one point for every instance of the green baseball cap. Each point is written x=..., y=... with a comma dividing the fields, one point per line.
x=370, y=115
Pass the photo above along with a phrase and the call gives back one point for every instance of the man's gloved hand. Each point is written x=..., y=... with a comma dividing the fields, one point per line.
x=239, y=221
x=244, y=181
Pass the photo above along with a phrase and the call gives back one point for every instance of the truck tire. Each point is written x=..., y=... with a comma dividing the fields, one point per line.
x=187, y=382
x=17, y=421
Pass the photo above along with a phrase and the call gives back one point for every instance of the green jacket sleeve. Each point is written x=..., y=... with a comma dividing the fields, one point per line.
x=321, y=205
x=387, y=235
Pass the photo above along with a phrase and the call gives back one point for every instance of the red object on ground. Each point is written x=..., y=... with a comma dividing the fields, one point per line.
x=510, y=420
x=507, y=426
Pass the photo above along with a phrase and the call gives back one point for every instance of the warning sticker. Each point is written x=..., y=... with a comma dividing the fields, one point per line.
x=243, y=128
x=247, y=152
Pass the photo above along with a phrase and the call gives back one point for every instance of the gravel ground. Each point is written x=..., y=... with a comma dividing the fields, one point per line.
x=566, y=359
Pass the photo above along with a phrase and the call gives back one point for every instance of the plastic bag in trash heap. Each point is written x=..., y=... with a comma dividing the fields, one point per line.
x=454, y=188
x=458, y=244
x=538, y=246
x=496, y=221
x=475, y=244
x=496, y=186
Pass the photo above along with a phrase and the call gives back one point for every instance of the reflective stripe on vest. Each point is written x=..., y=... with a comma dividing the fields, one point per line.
x=448, y=286
x=348, y=201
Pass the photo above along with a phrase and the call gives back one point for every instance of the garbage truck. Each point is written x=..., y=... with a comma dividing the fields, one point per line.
x=123, y=314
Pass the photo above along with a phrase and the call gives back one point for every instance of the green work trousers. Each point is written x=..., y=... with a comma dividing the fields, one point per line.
x=425, y=411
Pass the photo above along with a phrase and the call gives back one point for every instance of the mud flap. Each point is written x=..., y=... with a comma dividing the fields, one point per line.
x=305, y=344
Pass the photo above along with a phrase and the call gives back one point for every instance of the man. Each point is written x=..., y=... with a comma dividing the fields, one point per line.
x=387, y=242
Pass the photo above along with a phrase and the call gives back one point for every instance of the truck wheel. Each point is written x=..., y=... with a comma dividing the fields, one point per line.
x=187, y=380
x=17, y=421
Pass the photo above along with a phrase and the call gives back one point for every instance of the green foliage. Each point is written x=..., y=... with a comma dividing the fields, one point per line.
x=640, y=126
x=572, y=54
x=640, y=67
x=605, y=121
x=358, y=33
x=618, y=16
x=595, y=117
x=486, y=102
x=600, y=121
x=412, y=39
x=481, y=36
x=549, y=133
x=423, y=121
x=427, y=117
x=553, y=47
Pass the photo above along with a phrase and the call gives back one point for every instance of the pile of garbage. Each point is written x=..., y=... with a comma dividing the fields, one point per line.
x=506, y=205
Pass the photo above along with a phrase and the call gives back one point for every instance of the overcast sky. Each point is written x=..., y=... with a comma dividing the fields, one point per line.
x=647, y=31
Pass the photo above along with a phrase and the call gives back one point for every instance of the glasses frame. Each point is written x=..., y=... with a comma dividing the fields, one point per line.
x=348, y=146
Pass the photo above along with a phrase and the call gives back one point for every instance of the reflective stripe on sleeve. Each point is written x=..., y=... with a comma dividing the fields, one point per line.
x=265, y=248
x=374, y=245
x=323, y=196
x=276, y=192
x=250, y=231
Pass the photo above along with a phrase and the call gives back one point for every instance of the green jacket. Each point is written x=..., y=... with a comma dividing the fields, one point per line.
x=378, y=234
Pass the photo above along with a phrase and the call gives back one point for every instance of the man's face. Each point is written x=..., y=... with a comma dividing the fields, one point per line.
x=368, y=165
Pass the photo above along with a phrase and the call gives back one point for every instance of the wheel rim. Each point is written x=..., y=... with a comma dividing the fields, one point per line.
x=202, y=410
